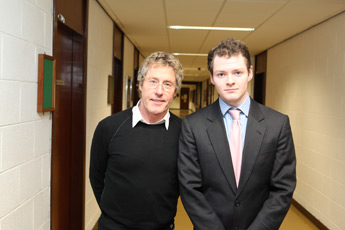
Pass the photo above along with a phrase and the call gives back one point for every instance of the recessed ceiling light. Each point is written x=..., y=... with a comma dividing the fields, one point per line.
x=189, y=54
x=175, y=27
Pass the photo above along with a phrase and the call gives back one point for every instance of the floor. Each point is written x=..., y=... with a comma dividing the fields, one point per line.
x=181, y=112
x=294, y=220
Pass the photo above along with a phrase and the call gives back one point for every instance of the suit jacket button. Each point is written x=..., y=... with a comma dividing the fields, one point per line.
x=237, y=203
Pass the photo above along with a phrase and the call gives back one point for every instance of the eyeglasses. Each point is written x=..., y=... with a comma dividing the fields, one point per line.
x=167, y=86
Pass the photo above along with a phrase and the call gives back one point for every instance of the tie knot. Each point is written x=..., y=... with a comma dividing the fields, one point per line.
x=235, y=113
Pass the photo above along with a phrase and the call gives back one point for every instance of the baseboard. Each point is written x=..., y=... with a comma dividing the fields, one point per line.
x=310, y=216
x=96, y=226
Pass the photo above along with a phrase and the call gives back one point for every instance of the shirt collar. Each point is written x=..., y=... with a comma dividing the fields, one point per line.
x=137, y=117
x=244, y=107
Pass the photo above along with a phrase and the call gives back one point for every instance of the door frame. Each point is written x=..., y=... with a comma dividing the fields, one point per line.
x=79, y=218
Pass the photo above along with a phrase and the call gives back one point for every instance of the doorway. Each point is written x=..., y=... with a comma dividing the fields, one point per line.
x=68, y=133
x=260, y=77
x=184, y=99
x=260, y=87
x=118, y=81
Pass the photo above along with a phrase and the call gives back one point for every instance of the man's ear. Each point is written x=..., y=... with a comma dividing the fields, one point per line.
x=211, y=78
x=140, y=86
x=250, y=73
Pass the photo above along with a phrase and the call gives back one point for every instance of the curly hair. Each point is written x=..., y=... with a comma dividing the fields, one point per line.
x=228, y=48
x=161, y=58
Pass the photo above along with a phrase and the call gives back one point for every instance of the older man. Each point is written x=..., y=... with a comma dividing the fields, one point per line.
x=133, y=168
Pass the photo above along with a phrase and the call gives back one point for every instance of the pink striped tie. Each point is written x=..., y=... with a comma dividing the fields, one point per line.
x=235, y=143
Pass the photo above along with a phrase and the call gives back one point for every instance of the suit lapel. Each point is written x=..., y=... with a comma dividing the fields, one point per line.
x=254, y=134
x=217, y=135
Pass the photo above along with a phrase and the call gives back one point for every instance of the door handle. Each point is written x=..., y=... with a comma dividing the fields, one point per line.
x=61, y=18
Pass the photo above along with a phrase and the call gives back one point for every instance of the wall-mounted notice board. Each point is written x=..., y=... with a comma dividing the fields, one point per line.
x=46, y=83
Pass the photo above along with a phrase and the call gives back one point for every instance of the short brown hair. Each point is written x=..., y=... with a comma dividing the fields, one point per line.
x=228, y=48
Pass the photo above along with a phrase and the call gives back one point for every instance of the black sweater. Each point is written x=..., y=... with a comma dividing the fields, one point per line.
x=133, y=172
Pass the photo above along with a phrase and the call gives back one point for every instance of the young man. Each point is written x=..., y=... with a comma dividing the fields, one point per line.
x=247, y=187
x=133, y=167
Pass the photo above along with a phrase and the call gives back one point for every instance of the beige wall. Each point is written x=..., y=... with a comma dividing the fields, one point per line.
x=99, y=66
x=306, y=80
x=175, y=104
x=141, y=59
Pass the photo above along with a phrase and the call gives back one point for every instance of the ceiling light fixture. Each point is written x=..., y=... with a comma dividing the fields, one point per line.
x=189, y=54
x=175, y=27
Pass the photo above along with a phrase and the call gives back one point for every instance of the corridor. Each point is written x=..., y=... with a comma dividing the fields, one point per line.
x=92, y=51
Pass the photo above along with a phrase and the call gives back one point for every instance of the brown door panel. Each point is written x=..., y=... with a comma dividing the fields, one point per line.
x=184, y=98
x=68, y=140
x=72, y=12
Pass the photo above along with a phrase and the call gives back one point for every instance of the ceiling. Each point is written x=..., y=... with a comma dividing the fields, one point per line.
x=145, y=23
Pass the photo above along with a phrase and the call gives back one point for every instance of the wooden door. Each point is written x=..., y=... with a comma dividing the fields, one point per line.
x=260, y=77
x=117, y=69
x=118, y=81
x=184, y=98
x=260, y=87
x=68, y=137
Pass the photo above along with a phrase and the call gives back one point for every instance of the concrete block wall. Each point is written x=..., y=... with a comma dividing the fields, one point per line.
x=306, y=80
x=25, y=135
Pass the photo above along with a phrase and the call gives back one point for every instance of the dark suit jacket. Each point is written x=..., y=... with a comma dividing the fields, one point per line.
x=207, y=182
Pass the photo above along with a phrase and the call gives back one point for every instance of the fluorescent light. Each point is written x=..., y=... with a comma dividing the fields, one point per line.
x=175, y=27
x=189, y=54
x=190, y=75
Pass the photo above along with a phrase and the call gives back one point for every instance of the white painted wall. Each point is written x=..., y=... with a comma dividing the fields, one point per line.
x=99, y=67
x=25, y=135
x=306, y=80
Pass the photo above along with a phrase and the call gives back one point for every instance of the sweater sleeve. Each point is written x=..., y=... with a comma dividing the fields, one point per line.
x=98, y=161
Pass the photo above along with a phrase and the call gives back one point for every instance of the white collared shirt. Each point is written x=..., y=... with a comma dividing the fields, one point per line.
x=138, y=117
